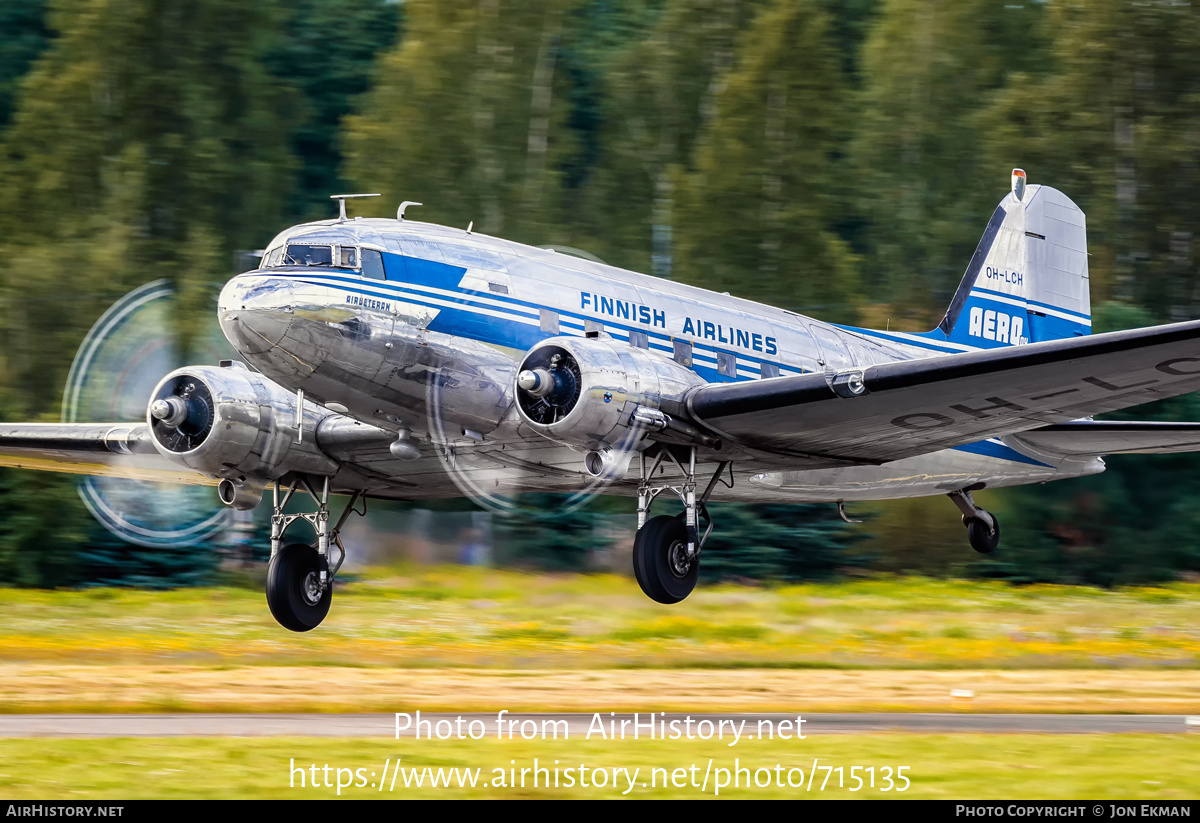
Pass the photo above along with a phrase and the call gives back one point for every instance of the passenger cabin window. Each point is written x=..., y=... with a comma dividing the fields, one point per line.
x=309, y=255
x=683, y=353
x=726, y=364
x=768, y=370
x=372, y=264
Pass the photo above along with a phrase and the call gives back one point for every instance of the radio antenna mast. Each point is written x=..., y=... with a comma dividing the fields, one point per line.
x=342, y=198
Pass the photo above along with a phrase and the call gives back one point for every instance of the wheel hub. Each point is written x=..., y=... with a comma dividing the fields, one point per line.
x=312, y=588
x=678, y=560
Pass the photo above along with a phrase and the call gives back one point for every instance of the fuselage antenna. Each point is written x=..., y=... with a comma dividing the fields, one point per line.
x=342, y=198
x=405, y=205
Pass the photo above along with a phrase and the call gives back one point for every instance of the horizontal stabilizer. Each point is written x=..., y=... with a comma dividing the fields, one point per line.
x=1098, y=437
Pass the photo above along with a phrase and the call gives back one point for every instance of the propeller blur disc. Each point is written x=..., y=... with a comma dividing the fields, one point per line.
x=482, y=476
x=121, y=360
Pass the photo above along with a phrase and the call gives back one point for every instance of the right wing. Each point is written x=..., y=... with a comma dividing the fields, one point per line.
x=107, y=449
x=908, y=408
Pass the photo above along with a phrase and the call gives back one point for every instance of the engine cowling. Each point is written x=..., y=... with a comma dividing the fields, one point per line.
x=584, y=392
x=232, y=423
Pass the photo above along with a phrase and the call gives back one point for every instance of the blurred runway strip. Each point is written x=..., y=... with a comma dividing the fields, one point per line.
x=383, y=725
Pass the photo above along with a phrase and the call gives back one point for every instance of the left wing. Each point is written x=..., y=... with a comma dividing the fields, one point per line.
x=904, y=409
x=107, y=449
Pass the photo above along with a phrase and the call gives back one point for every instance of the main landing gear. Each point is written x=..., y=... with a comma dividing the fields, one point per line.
x=666, y=550
x=299, y=576
x=983, y=529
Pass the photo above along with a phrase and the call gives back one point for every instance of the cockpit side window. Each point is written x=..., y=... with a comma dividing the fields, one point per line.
x=372, y=264
x=349, y=257
x=273, y=257
x=309, y=255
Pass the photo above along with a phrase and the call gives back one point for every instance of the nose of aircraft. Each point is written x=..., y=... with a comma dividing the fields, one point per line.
x=256, y=312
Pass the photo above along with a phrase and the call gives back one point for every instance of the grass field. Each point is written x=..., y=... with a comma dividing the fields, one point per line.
x=1026, y=767
x=479, y=618
x=460, y=639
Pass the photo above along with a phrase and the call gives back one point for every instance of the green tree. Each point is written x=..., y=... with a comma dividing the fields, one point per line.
x=1115, y=123
x=775, y=541
x=148, y=140
x=44, y=526
x=1112, y=121
x=659, y=97
x=852, y=22
x=106, y=560
x=756, y=210
x=23, y=36
x=466, y=116
x=327, y=50
x=928, y=68
x=540, y=534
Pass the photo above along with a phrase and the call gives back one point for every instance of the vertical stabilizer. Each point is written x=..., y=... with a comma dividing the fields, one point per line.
x=1028, y=279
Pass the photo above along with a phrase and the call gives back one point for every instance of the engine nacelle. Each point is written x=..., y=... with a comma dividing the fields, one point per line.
x=583, y=392
x=232, y=423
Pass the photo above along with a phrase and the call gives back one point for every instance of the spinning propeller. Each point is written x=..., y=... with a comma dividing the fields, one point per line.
x=123, y=357
x=550, y=387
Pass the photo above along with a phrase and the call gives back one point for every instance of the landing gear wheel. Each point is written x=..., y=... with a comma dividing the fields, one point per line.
x=660, y=560
x=294, y=588
x=982, y=540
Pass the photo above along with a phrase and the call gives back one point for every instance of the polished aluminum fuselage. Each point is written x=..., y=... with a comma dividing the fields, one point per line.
x=434, y=348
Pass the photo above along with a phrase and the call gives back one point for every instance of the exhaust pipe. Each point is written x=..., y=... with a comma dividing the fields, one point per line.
x=240, y=496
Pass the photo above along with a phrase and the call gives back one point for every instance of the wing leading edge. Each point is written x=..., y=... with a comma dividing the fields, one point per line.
x=904, y=409
x=106, y=449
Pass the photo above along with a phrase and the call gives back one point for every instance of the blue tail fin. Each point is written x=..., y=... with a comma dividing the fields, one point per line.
x=1028, y=279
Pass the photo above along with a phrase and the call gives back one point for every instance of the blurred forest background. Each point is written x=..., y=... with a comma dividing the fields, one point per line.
x=838, y=158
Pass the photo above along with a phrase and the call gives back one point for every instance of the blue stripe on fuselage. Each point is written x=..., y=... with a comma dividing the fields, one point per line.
x=1086, y=319
x=467, y=321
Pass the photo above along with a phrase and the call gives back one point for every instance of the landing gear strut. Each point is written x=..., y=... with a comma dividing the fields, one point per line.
x=983, y=529
x=666, y=551
x=299, y=577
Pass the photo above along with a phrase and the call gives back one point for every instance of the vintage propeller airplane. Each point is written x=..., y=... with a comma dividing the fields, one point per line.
x=399, y=359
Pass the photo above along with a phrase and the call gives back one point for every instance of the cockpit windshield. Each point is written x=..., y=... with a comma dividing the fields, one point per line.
x=308, y=256
x=339, y=257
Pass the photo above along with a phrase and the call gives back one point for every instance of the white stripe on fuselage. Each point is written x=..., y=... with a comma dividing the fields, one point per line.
x=552, y=279
x=1038, y=307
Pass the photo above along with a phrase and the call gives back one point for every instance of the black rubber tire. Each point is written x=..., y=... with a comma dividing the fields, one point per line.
x=637, y=557
x=982, y=540
x=656, y=543
x=286, y=578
